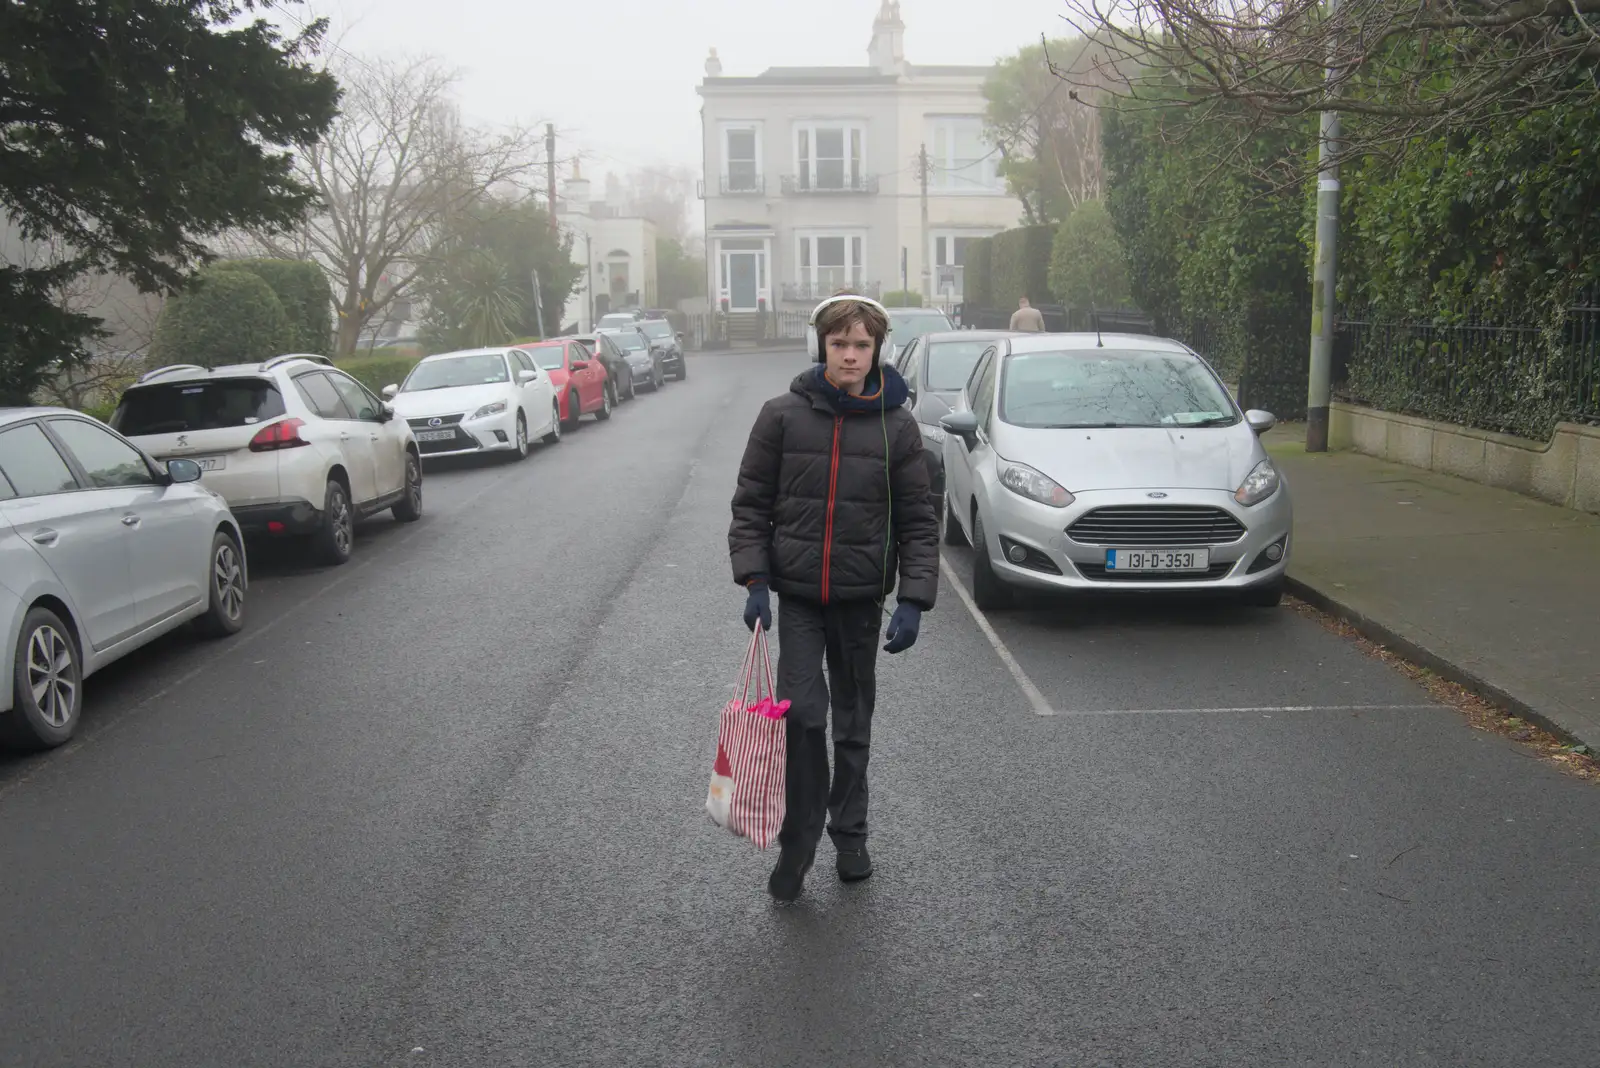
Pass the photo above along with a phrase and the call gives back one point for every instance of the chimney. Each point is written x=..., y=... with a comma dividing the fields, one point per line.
x=886, y=52
x=575, y=193
x=713, y=65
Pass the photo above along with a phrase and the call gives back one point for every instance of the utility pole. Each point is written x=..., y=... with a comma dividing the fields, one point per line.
x=927, y=269
x=550, y=175
x=1324, y=272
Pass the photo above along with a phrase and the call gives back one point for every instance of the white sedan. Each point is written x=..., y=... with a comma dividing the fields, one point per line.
x=1116, y=464
x=478, y=401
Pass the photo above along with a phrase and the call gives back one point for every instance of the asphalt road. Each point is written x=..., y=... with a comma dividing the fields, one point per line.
x=442, y=807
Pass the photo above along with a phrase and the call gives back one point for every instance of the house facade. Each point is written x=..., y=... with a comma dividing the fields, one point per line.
x=617, y=252
x=813, y=178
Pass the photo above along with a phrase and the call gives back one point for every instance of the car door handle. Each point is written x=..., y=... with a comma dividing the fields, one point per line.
x=131, y=520
x=46, y=537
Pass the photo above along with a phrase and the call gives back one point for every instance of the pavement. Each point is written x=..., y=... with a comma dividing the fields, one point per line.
x=443, y=807
x=1489, y=588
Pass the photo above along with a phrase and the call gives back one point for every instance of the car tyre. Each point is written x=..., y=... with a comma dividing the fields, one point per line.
x=336, y=540
x=521, y=452
x=683, y=369
x=409, y=508
x=574, y=410
x=225, y=612
x=554, y=436
x=1266, y=595
x=606, y=404
x=47, y=655
x=952, y=529
x=989, y=591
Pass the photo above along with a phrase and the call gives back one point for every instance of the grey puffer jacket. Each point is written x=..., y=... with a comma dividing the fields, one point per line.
x=833, y=496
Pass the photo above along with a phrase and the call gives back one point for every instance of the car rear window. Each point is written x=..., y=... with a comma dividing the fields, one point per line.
x=656, y=328
x=184, y=407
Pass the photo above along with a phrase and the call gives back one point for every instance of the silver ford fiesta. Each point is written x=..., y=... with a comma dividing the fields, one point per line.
x=1119, y=464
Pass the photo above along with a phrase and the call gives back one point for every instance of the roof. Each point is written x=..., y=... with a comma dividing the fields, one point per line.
x=188, y=372
x=492, y=350
x=967, y=335
x=1091, y=340
x=848, y=75
x=12, y=415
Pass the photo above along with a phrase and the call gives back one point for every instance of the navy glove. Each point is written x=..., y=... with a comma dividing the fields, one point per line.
x=758, y=606
x=903, y=627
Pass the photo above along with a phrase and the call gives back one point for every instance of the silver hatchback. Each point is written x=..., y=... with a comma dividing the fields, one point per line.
x=1116, y=464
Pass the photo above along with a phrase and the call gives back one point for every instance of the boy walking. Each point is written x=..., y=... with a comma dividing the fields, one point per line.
x=832, y=500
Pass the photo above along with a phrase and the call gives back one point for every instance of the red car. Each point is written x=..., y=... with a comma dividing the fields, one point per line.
x=581, y=383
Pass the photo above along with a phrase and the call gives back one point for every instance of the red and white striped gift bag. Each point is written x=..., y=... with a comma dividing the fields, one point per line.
x=747, y=779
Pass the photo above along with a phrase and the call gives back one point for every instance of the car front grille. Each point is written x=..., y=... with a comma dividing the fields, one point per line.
x=1156, y=525
x=426, y=422
x=1098, y=573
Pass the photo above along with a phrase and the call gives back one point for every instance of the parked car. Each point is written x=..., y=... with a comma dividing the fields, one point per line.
x=619, y=375
x=908, y=324
x=580, y=382
x=669, y=343
x=624, y=320
x=1117, y=464
x=295, y=446
x=477, y=401
x=645, y=364
x=936, y=368
x=101, y=551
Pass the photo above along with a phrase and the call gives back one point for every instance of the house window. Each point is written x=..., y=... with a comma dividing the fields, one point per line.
x=829, y=262
x=829, y=156
x=949, y=263
x=960, y=160
x=741, y=154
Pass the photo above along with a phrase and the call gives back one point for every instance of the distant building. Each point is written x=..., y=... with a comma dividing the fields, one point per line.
x=812, y=177
x=617, y=253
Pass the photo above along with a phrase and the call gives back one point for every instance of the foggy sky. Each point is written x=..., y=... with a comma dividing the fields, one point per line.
x=618, y=77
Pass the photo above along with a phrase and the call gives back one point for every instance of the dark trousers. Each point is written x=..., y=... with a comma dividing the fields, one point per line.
x=845, y=635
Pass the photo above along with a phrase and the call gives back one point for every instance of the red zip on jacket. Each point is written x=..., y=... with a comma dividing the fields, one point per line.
x=833, y=489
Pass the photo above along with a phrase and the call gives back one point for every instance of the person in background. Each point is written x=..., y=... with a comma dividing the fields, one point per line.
x=832, y=498
x=1027, y=317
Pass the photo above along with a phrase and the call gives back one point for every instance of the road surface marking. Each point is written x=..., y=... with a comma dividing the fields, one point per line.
x=1029, y=690
x=1261, y=709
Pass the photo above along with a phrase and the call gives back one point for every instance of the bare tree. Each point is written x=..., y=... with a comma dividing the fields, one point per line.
x=1398, y=69
x=392, y=172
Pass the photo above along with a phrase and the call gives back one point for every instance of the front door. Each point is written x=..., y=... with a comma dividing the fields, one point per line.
x=742, y=285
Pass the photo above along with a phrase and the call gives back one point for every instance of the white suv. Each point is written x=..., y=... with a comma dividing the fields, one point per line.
x=295, y=446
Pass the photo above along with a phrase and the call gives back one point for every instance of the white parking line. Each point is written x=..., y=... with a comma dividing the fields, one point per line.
x=1029, y=690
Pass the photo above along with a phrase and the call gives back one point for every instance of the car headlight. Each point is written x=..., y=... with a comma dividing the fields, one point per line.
x=1259, y=484
x=489, y=409
x=1034, y=485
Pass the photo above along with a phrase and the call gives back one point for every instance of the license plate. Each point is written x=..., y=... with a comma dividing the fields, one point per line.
x=211, y=463
x=436, y=435
x=1158, y=559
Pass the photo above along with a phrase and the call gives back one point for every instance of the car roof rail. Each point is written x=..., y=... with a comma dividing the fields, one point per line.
x=279, y=361
x=151, y=376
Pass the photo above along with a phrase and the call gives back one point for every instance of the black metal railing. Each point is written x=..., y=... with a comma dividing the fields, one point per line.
x=1514, y=377
x=742, y=185
x=714, y=330
x=821, y=290
x=828, y=185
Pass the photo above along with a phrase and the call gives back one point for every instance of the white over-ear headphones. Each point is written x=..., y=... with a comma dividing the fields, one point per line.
x=814, y=344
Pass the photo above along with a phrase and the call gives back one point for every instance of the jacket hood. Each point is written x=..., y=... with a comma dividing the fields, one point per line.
x=883, y=389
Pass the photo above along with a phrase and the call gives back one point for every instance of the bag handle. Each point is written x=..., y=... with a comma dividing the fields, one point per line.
x=758, y=656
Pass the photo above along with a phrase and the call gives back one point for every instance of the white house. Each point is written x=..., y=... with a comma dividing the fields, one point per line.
x=813, y=177
x=617, y=252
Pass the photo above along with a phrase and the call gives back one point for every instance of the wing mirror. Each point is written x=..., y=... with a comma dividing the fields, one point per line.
x=183, y=471
x=527, y=376
x=580, y=365
x=1260, y=421
x=385, y=413
x=963, y=425
x=389, y=391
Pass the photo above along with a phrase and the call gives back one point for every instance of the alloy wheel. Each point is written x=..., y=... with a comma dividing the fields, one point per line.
x=229, y=578
x=52, y=675
x=343, y=522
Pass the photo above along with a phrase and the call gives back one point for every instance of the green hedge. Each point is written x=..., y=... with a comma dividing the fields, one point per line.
x=977, y=289
x=221, y=317
x=1019, y=266
x=902, y=298
x=380, y=369
x=302, y=289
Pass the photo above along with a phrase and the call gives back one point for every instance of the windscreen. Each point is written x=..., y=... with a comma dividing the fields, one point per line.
x=480, y=370
x=185, y=407
x=656, y=328
x=628, y=341
x=1111, y=388
x=905, y=328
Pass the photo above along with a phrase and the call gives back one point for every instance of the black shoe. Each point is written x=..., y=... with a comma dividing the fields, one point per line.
x=855, y=864
x=790, y=874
